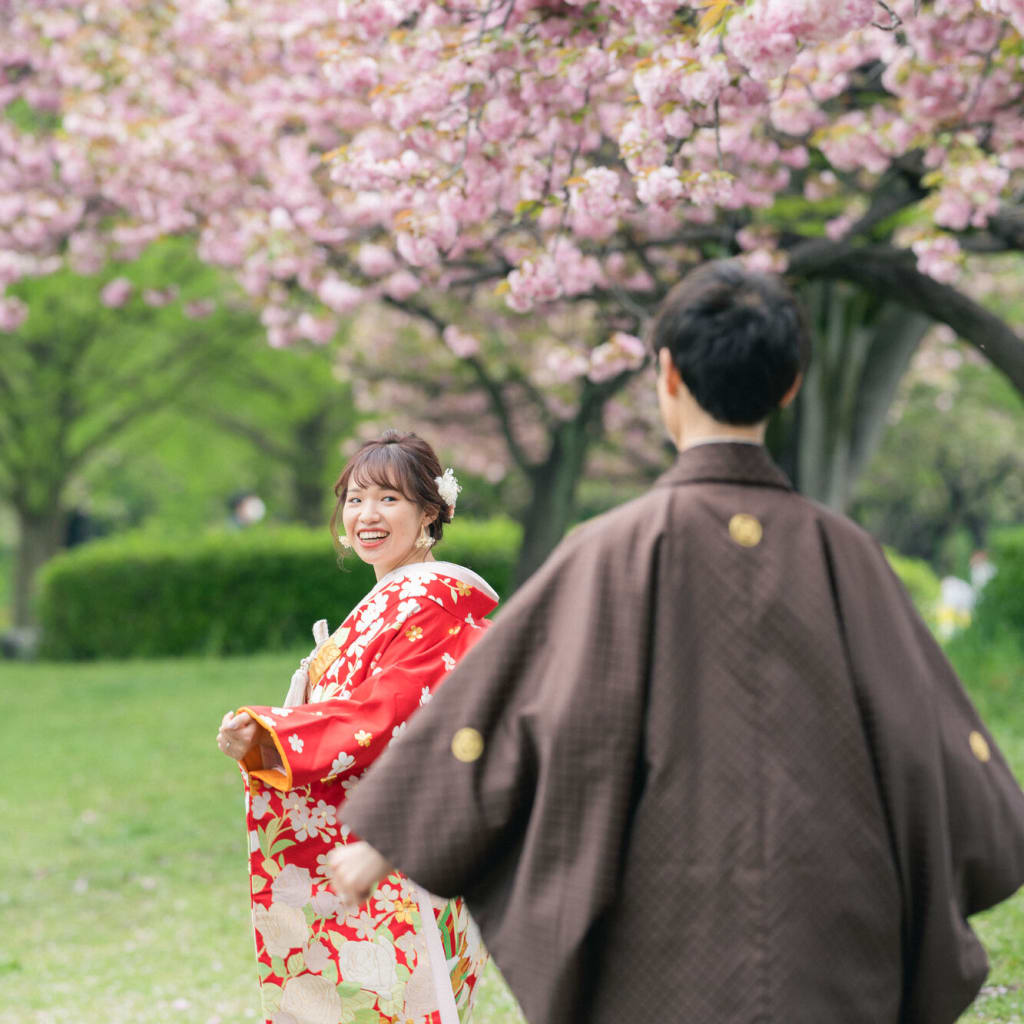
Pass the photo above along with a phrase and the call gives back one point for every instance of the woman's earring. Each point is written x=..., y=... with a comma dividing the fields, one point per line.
x=344, y=542
x=424, y=540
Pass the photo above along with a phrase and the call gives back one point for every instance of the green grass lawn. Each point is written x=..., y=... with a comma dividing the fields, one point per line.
x=124, y=891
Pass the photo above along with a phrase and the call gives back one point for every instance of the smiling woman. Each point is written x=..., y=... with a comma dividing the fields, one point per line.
x=401, y=954
x=390, y=503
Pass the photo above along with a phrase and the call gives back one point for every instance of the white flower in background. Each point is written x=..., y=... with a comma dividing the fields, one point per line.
x=293, y=886
x=448, y=487
x=369, y=964
x=311, y=1000
x=295, y=743
x=282, y=928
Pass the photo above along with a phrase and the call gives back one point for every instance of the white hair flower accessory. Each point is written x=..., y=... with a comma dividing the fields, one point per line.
x=448, y=487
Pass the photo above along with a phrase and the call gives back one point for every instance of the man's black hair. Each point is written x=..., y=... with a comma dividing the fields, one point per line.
x=737, y=338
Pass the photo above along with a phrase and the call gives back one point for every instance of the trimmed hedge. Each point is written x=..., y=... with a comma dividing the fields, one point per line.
x=227, y=593
x=262, y=589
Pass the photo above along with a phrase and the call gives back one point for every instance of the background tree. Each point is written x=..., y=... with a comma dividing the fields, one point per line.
x=935, y=492
x=94, y=356
x=496, y=169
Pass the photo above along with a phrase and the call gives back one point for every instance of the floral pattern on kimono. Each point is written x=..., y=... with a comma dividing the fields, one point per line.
x=317, y=964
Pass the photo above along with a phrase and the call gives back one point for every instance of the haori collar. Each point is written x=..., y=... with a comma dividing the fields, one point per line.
x=725, y=462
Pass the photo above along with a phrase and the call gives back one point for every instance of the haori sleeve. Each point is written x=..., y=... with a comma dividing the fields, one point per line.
x=328, y=739
x=528, y=748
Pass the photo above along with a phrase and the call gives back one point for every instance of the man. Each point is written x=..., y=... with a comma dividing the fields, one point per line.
x=709, y=765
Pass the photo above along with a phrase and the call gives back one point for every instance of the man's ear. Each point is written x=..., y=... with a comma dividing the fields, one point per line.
x=668, y=372
x=788, y=397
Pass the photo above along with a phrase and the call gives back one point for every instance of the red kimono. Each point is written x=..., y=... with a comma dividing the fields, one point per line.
x=377, y=964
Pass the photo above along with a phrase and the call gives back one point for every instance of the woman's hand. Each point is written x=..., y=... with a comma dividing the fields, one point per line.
x=355, y=870
x=238, y=734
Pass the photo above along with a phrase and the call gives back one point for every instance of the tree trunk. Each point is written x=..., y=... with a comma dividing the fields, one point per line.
x=314, y=442
x=40, y=537
x=861, y=350
x=553, y=486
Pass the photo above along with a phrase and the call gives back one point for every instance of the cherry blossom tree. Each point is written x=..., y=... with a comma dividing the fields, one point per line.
x=526, y=178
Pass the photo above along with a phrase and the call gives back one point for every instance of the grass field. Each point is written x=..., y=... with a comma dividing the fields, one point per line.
x=124, y=892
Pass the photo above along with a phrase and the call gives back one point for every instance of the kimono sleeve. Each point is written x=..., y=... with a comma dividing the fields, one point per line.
x=320, y=741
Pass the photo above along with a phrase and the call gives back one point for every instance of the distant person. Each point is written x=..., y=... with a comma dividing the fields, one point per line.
x=399, y=956
x=709, y=765
x=246, y=508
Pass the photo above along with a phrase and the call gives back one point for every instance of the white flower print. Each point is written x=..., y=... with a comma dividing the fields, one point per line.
x=471, y=621
x=398, y=730
x=363, y=924
x=325, y=814
x=311, y=1000
x=254, y=841
x=315, y=955
x=302, y=823
x=282, y=928
x=425, y=695
x=325, y=902
x=405, y=609
x=413, y=588
x=282, y=712
x=386, y=894
x=267, y=720
x=292, y=802
x=349, y=784
x=260, y=805
x=296, y=743
x=369, y=964
x=341, y=762
x=449, y=661
x=372, y=612
x=293, y=886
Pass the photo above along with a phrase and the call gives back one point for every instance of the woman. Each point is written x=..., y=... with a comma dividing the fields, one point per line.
x=321, y=962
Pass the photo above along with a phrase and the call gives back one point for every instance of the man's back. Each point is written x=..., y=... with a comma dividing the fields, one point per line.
x=719, y=773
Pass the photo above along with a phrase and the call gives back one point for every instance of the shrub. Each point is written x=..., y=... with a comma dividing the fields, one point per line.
x=228, y=593
x=999, y=613
x=921, y=583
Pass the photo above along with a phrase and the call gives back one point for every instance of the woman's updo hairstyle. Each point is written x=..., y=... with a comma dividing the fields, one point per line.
x=399, y=462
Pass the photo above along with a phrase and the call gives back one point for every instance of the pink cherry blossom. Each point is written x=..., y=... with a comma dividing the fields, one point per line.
x=117, y=292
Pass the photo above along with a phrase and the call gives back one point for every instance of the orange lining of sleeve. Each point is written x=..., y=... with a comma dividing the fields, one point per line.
x=274, y=777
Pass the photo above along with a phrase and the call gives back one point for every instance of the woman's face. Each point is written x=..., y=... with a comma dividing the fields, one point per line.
x=383, y=525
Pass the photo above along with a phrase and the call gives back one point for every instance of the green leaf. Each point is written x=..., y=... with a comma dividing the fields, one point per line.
x=347, y=988
x=295, y=963
x=366, y=1017
x=281, y=844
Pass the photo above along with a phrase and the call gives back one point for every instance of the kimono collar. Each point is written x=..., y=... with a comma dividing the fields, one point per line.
x=725, y=462
x=450, y=569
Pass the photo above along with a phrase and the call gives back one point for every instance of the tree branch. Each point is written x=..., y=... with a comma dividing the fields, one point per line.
x=892, y=273
x=493, y=389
